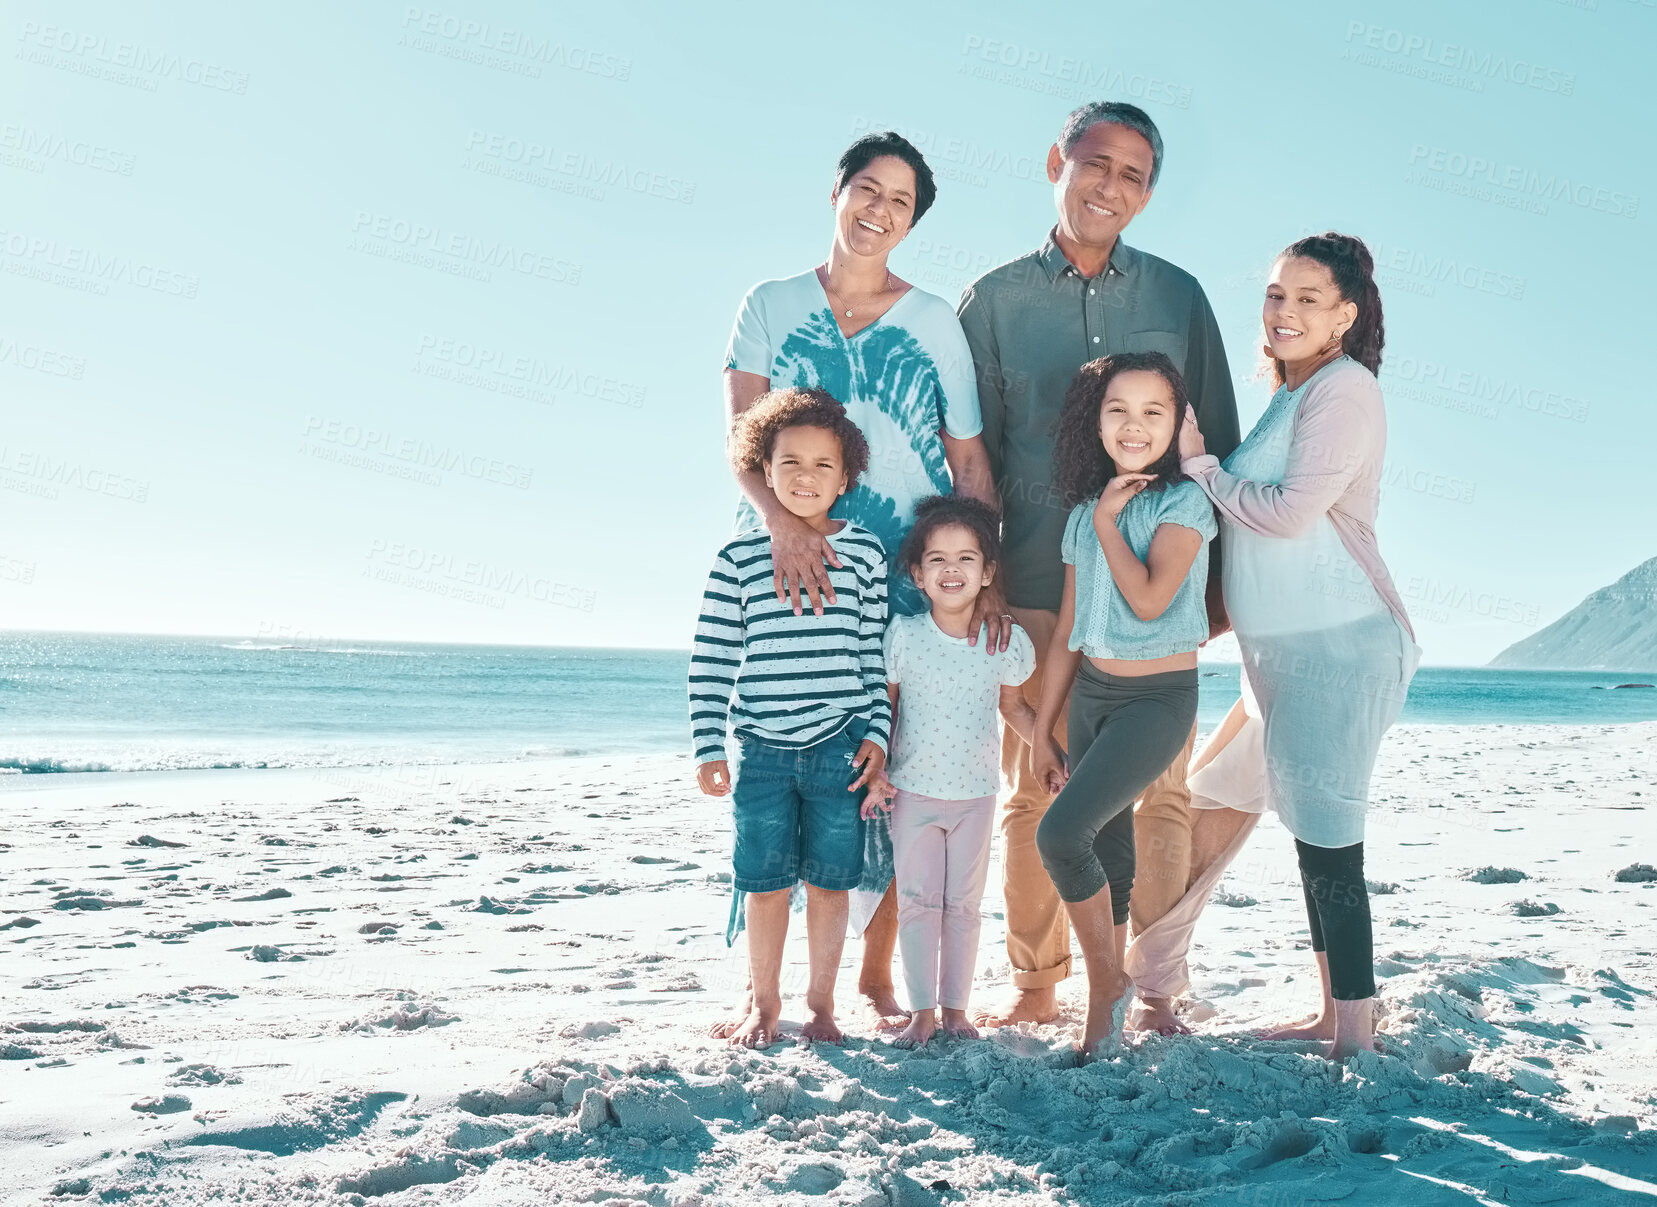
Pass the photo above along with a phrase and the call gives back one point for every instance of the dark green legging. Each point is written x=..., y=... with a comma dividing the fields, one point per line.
x=1124, y=732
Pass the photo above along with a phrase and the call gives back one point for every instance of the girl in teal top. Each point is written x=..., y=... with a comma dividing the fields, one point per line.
x=1124, y=653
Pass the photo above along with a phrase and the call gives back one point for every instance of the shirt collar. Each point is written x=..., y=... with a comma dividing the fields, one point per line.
x=1123, y=259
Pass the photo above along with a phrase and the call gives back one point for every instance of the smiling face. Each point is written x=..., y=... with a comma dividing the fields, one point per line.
x=1102, y=185
x=1303, y=311
x=1136, y=419
x=876, y=207
x=952, y=569
x=807, y=471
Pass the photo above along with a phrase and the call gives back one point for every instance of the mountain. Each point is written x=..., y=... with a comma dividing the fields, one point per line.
x=1614, y=629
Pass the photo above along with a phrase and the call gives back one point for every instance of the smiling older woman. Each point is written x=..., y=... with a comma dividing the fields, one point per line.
x=896, y=358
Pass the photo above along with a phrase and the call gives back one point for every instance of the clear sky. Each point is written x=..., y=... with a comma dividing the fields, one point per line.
x=385, y=320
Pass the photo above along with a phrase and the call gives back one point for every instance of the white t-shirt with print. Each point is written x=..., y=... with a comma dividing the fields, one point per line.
x=947, y=741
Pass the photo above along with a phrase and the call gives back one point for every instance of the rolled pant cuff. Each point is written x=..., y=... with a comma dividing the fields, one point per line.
x=1041, y=978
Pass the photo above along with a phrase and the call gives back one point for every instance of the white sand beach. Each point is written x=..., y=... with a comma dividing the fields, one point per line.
x=490, y=985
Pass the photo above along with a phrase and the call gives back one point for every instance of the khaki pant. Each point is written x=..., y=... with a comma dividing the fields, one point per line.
x=1038, y=932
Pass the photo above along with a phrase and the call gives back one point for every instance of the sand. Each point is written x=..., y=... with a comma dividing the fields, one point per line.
x=490, y=985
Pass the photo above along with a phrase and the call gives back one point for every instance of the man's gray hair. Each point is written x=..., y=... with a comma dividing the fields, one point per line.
x=1116, y=113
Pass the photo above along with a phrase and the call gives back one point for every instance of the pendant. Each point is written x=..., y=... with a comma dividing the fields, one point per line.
x=848, y=314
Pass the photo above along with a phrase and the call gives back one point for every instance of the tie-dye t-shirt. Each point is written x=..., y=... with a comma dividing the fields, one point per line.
x=904, y=380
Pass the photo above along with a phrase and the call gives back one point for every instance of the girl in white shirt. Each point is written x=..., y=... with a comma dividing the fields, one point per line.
x=945, y=764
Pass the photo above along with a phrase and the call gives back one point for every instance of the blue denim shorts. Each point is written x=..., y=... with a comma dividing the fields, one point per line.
x=792, y=815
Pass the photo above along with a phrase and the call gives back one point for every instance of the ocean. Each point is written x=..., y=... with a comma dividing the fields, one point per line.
x=91, y=702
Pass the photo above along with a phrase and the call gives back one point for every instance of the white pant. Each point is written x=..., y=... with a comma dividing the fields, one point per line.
x=942, y=852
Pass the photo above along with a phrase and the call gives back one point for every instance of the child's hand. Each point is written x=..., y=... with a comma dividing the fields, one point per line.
x=1120, y=489
x=879, y=799
x=1191, y=443
x=872, y=759
x=714, y=778
x=1048, y=762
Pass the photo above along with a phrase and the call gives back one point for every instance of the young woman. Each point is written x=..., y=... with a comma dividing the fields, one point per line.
x=1326, y=642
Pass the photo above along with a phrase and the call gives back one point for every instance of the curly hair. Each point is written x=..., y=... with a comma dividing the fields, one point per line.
x=1081, y=466
x=754, y=434
x=940, y=511
x=1353, y=269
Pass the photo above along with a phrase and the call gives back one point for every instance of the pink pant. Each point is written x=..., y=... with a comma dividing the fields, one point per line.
x=942, y=854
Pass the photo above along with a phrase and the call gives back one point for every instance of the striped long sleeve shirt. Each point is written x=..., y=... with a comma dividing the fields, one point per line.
x=789, y=680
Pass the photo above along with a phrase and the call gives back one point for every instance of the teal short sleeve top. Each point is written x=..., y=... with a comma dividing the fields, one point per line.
x=1106, y=626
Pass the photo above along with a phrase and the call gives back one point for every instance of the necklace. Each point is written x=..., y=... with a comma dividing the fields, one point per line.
x=838, y=302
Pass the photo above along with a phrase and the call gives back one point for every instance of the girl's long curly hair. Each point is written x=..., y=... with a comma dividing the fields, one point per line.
x=1081, y=466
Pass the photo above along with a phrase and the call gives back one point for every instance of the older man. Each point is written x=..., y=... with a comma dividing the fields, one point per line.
x=1031, y=324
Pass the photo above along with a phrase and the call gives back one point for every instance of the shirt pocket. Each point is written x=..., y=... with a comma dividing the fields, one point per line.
x=1170, y=343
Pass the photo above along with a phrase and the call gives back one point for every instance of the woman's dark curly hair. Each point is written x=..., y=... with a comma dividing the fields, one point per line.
x=1353, y=268
x=1081, y=466
x=754, y=434
x=940, y=511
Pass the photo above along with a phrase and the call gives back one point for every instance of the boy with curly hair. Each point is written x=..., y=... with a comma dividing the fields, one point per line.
x=806, y=696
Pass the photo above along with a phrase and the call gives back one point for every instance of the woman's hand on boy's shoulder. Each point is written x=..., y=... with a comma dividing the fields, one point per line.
x=714, y=778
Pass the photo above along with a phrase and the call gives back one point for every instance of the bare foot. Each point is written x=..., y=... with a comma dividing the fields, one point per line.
x=821, y=1028
x=731, y=1023
x=759, y=1030
x=1316, y=1026
x=1156, y=1014
x=1107, y=1015
x=957, y=1024
x=1025, y=1006
x=1347, y=1046
x=883, y=1004
x=921, y=1028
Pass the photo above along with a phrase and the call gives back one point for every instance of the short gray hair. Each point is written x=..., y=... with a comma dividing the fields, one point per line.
x=1116, y=113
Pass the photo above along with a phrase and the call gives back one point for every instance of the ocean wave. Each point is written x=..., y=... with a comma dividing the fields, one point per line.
x=246, y=646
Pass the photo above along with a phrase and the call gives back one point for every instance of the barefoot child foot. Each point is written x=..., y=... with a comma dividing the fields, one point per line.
x=1107, y=1008
x=921, y=1026
x=758, y=1030
x=945, y=767
x=727, y=1026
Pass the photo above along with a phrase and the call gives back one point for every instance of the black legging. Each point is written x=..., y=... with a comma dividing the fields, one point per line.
x=1337, y=909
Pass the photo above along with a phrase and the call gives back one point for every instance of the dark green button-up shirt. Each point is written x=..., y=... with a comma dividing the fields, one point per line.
x=1031, y=324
